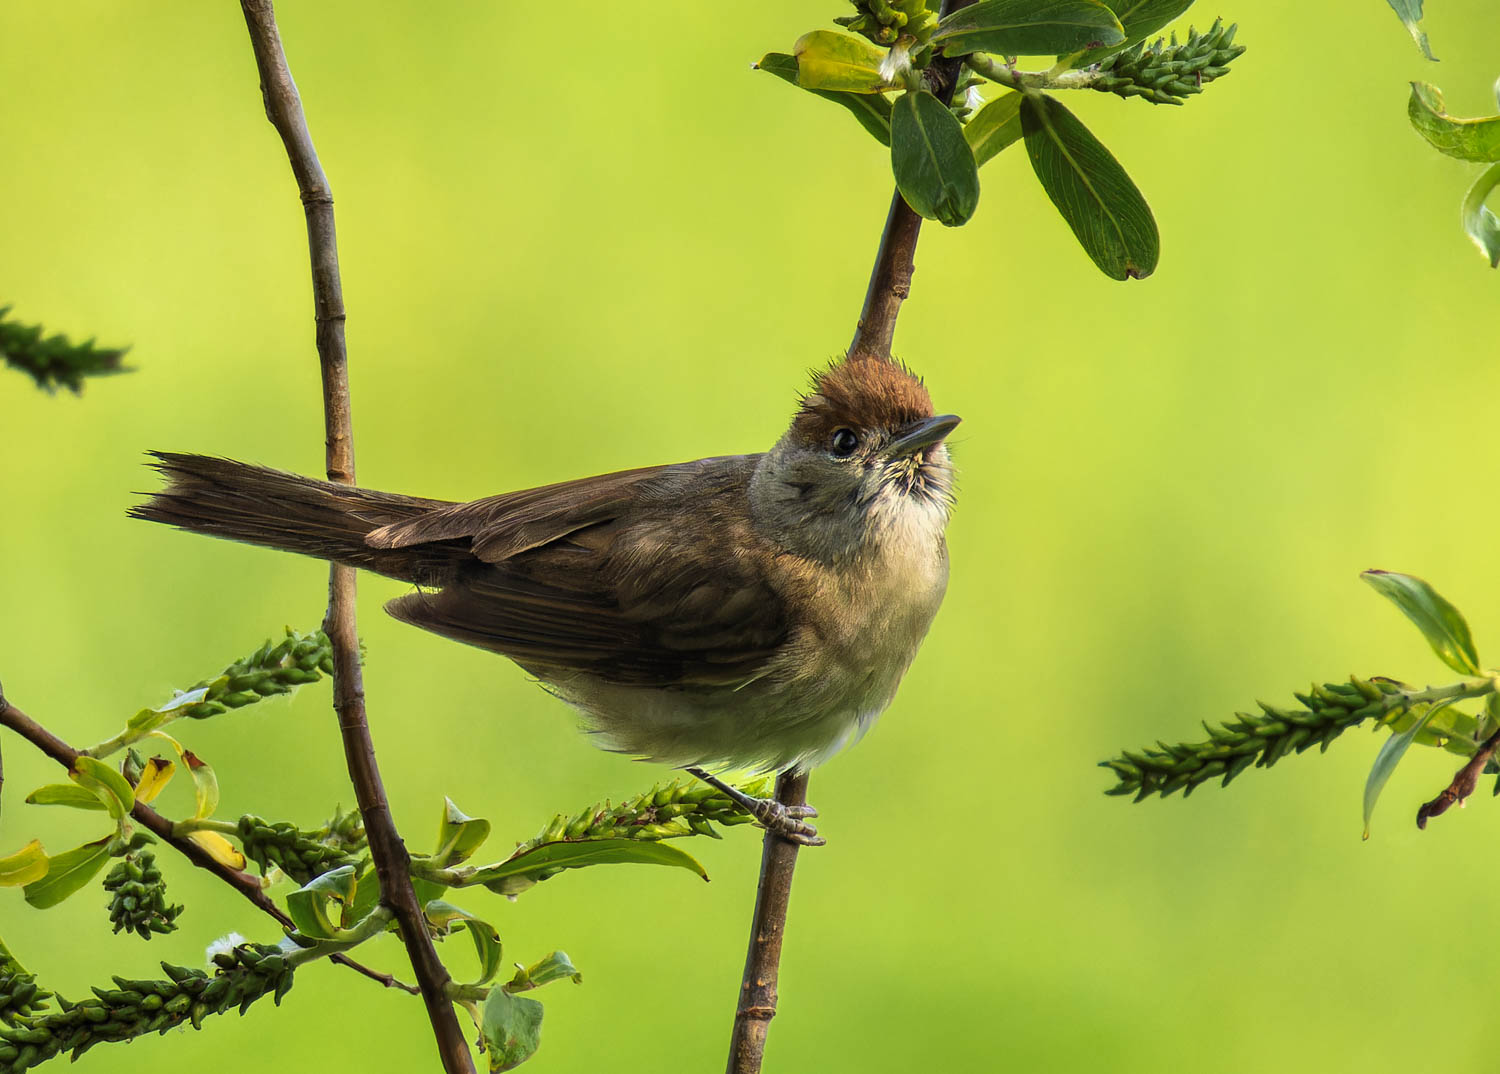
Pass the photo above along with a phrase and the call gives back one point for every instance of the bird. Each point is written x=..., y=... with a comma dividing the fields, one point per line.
x=750, y=612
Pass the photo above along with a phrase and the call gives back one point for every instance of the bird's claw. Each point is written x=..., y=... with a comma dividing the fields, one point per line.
x=788, y=822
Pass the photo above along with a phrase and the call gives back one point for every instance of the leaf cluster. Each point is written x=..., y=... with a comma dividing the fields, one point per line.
x=337, y=903
x=301, y=855
x=1166, y=72
x=1426, y=716
x=1473, y=140
x=134, y=1008
x=937, y=144
x=54, y=361
x=138, y=896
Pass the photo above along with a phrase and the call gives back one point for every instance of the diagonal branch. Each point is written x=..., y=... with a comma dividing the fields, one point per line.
x=1464, y=782
x=161, y=827
x=890, y=283
x=284, y=110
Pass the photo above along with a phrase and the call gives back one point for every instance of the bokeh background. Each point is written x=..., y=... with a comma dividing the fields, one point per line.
x=589, y=237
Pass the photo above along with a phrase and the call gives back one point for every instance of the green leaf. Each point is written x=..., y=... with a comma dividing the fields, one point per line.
x=1104, y=208
x=1410, y=14
x=1391, y=752
x=512, y=1029
x=113, y=789
x=520, y=872
x=1440, y=622
x=66, y=794
x=1480, y=224
x=1028, y=27
x=1139, y=19
x=459, y=836
x=934, y=167
x=308, y=905
x=367, y=892
x=873, y=110
x=445, y=916
x=831, y=61
x=25, y=866
x=148, y=720
x=67, y=873
x=1467, y=139
x=554, y=967
x=1142, y=18
x=994, y=127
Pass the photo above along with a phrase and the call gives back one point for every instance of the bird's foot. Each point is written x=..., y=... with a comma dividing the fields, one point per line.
x=789, y=822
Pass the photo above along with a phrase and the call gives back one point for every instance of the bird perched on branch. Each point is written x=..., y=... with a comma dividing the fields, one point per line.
x=746, y=611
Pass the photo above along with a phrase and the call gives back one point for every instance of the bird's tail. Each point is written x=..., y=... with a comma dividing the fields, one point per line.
x=257, y=505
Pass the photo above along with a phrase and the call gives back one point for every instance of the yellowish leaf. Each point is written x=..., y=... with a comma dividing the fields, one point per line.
x=827, y=60
x=222, y=849
x=24, y=866
x=157, y=774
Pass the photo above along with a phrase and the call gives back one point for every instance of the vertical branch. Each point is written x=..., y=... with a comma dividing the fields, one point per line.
x=890, y=284
x=392, y=862
x=757, y=1005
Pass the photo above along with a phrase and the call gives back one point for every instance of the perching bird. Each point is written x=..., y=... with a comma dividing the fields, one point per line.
x=745, y=611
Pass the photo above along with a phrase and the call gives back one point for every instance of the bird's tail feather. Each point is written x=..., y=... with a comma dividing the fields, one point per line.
x=258, y=505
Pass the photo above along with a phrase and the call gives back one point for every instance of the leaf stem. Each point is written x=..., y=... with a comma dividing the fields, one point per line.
x=469, y=993
x=997, y=70
x=423, y=869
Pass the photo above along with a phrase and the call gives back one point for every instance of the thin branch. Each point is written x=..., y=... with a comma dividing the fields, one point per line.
x=890, y=283
x=284, y=110
x=890, y=279
x=1464, y=782
x=159, y=826
x=757, y=1003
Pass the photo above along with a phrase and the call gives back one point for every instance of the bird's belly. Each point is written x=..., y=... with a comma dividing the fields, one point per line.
x=823, y=690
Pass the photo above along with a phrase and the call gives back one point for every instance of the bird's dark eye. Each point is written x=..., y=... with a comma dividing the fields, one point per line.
x=843, y=442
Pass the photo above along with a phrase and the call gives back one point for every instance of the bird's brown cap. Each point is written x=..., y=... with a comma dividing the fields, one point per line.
x=862, y=393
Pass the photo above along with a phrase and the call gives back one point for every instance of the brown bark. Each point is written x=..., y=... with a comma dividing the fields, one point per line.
x=392, y=862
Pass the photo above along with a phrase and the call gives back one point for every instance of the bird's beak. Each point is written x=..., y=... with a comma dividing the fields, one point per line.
x=921, y=434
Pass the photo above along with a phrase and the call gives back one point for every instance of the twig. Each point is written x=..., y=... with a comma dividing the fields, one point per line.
x=1464, y=782
x=161, y=827
x=284, y=110
x=890, y=283
x=757, y=1005
x=890, y=279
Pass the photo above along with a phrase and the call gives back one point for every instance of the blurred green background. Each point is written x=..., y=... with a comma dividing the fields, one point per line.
x=584, y=238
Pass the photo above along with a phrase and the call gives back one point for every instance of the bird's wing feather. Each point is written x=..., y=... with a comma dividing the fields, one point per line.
x=594, y=577
x=514, y=522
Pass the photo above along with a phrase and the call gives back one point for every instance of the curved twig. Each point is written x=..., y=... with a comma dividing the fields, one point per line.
x=284, y=110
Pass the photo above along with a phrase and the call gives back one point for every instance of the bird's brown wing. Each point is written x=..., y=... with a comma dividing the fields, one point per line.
x=514, y=522
x=596, y=577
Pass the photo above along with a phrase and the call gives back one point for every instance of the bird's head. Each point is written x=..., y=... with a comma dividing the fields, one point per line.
x=863, y=462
